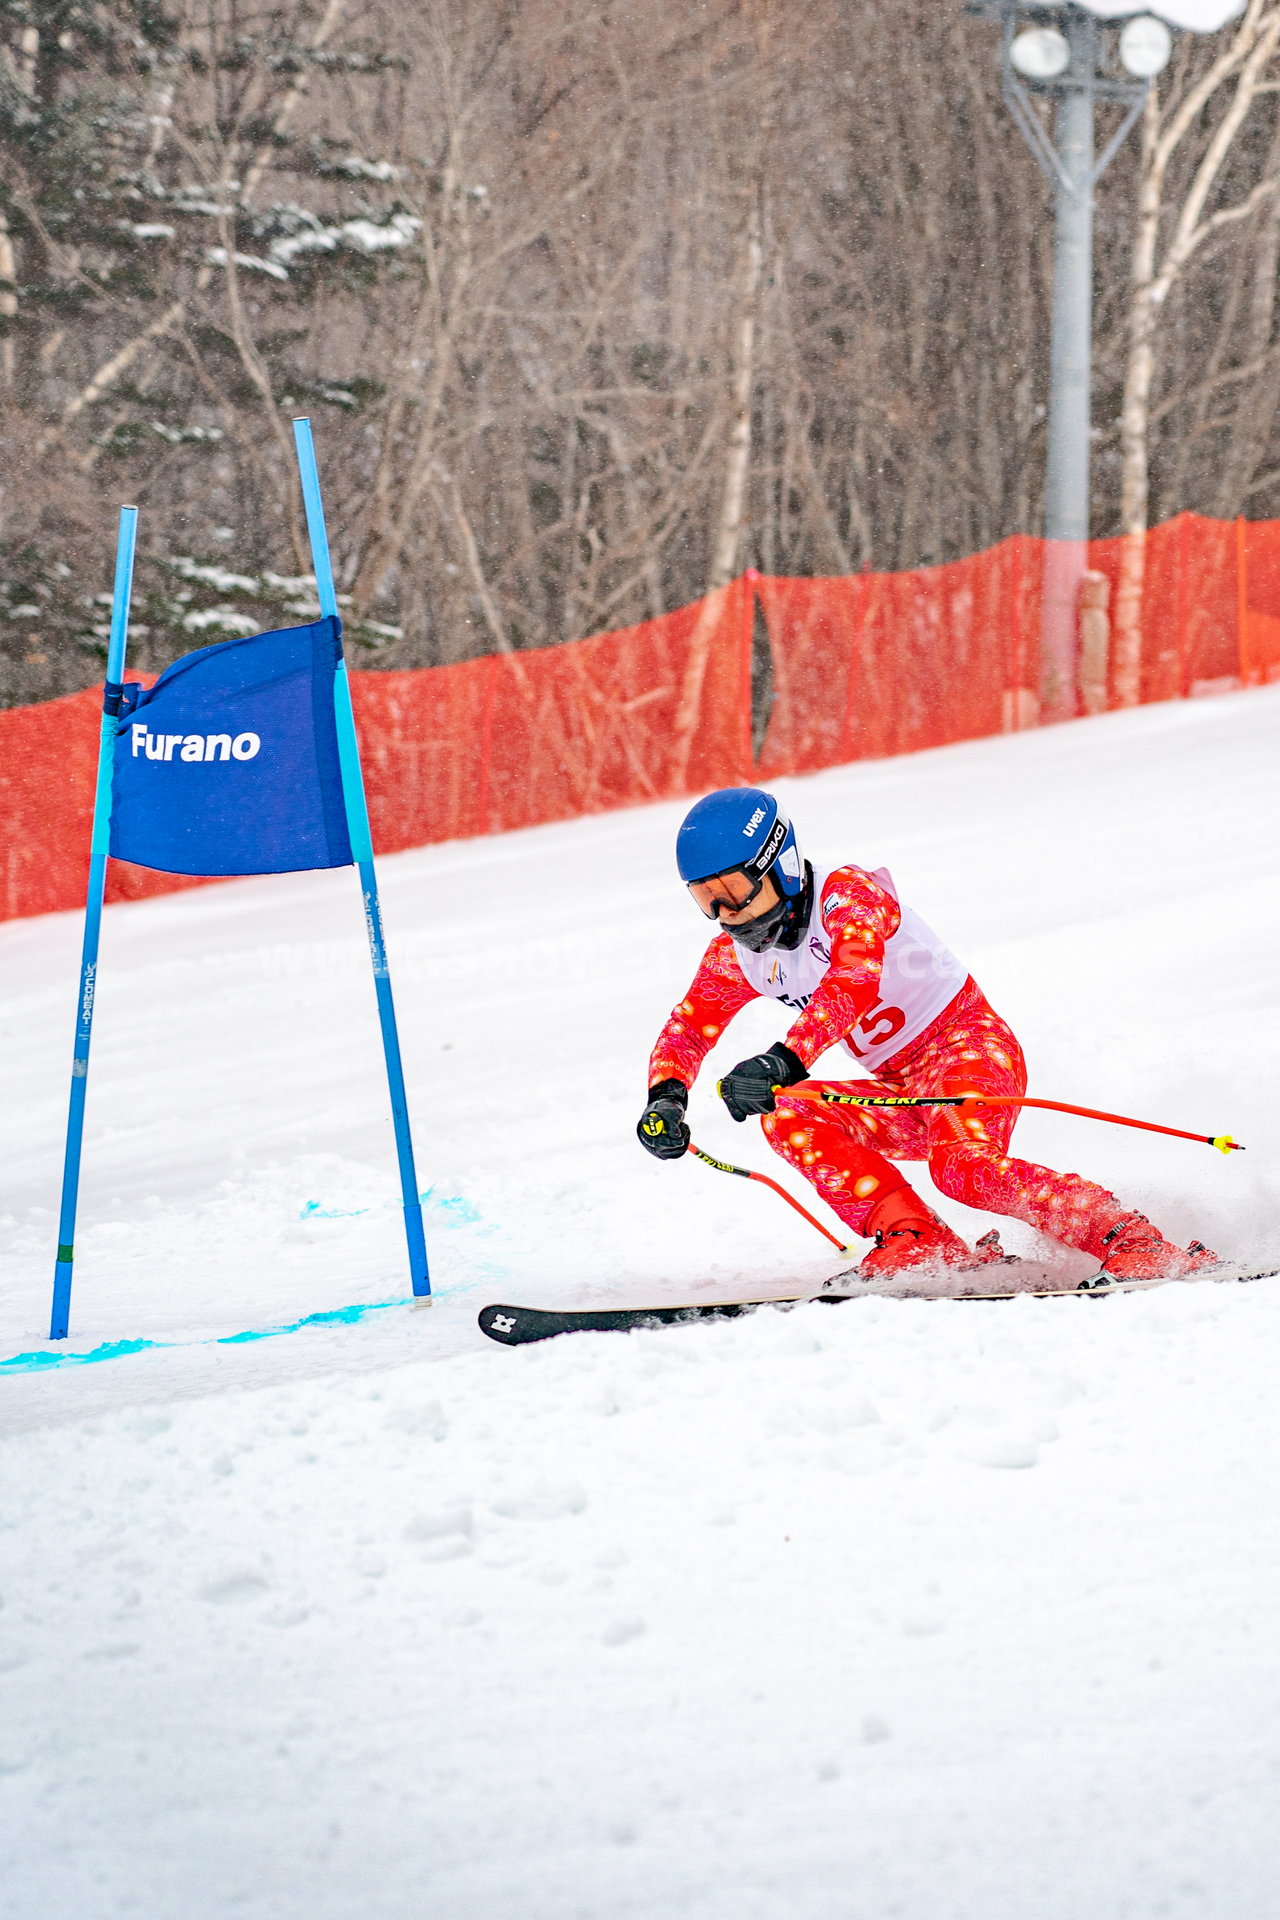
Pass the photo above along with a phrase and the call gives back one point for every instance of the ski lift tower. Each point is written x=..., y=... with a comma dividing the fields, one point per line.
x=1060, y=50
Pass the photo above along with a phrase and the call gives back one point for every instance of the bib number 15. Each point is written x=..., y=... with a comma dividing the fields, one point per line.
x=878, y=1024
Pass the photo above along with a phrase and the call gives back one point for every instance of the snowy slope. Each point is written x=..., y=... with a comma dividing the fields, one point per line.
x=936, y=1611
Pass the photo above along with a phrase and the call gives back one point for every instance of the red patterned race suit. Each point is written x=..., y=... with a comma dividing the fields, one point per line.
x=874, y=972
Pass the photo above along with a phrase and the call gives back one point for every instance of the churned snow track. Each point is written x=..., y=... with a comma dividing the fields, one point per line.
x=934, y=1611
x=892, y=1609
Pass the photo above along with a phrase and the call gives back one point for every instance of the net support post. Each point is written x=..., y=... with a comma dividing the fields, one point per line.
x=357, y=813
x=113, y=688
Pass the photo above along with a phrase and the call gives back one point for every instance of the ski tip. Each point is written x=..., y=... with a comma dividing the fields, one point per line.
x=502, y=1323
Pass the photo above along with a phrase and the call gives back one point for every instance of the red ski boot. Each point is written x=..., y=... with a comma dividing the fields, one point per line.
x=909, y=1234
x=1135, y=1250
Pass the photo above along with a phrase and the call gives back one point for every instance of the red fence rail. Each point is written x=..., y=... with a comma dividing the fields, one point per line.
x=863, y=666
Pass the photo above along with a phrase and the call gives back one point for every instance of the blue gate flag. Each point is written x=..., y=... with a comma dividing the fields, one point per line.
x=229, y=764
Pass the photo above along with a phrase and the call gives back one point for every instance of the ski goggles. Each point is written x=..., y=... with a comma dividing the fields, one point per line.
x=731, y=891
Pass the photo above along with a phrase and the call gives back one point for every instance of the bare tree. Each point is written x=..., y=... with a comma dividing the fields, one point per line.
x=1204, y=114
x=594, y=307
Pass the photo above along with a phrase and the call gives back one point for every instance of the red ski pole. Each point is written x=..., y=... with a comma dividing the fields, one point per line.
x=971, y=1101
x=724, y=1166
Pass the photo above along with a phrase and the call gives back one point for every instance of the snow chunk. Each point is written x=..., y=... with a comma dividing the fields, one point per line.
x=446, y=1535
x=1008, y=1449
x=290, y=245
x=370, y=238
x=218, y=577
x=234, y=1589
x=217, y=257
x=288, y=582
x=181, y=436
x=357, y=169
x=439, y=1526
x=620, y=1631
x=542, y=1502
x=365, y=236
x=224, y=617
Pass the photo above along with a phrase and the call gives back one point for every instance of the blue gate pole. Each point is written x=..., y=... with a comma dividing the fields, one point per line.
x=98, y=846
x=362, y=852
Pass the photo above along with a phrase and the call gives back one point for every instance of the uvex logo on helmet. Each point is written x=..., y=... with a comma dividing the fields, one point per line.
x=754, y=822
x=193, y=746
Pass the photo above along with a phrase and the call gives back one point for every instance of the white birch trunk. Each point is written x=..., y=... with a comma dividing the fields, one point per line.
x=8, y=301
x=1135, y=421
x=728, y=537
x=728, y=540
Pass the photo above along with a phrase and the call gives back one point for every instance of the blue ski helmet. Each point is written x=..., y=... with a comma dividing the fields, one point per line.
x=740, y=828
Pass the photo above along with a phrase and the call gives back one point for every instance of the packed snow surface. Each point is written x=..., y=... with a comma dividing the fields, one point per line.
x=937, y=1611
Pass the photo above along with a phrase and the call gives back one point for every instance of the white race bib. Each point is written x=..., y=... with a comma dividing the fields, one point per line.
x=921, y=976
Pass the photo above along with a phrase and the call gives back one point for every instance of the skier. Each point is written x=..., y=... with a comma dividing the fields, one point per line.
x=856, y=966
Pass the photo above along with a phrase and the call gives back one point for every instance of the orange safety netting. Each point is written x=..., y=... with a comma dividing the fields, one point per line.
x=516, y=739
x=510, y=740
x=880, y=663
x=874, y=664
x=863, y=666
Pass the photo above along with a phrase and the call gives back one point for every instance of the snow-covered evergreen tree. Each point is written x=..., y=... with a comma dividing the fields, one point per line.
x=175, y=221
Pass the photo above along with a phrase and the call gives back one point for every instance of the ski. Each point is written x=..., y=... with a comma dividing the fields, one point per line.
x=514, y=1326
x=517, y=1326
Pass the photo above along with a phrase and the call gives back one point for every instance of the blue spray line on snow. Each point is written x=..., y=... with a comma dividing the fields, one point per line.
x=42, y=1360
x=456, y=1209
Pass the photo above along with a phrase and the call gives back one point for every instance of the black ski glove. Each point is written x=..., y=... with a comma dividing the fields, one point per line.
x=749, y=1088
x=662, y=1128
